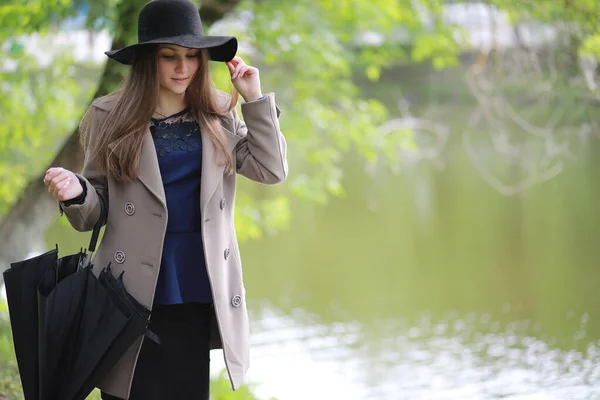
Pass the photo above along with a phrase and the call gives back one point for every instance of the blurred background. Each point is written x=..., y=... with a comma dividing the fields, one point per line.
x=437, y=236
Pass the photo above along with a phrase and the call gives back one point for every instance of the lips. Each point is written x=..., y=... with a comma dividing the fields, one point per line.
x=180, y=80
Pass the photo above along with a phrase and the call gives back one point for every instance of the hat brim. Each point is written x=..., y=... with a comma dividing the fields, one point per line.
x=220, y=48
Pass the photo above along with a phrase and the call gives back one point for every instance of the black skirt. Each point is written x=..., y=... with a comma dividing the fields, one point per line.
x=178, y=368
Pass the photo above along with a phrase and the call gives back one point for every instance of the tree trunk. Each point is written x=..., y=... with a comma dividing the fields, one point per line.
x=23, y=227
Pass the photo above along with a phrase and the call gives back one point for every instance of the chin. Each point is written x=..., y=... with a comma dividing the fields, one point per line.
x=178, y=90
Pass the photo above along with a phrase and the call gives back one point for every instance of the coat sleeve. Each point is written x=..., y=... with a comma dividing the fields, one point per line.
x=261, y=153
x=84, y=216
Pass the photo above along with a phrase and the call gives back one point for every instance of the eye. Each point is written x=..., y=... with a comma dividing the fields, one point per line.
x=167, y=56
x=192, y=56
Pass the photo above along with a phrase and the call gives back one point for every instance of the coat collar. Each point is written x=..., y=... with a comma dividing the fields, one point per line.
x=148, y=169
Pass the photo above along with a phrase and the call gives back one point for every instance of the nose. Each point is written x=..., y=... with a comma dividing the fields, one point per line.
x=182, y=65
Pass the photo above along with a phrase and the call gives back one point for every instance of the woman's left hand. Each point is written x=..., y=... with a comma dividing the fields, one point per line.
x=245, y=79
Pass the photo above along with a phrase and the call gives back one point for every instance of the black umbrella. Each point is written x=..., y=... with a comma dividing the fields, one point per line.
x=84, y=325
x=87, y=330
x=20, y=281
x=57, y=318
x=120, y=328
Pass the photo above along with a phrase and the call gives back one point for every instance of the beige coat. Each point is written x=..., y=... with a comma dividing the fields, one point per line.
x=137, y=221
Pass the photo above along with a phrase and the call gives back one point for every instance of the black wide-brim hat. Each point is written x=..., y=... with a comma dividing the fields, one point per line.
x=175, y=22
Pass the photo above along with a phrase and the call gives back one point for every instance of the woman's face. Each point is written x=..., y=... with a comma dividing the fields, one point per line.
x=176, y=67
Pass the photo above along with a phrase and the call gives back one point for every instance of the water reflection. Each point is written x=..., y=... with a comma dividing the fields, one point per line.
x=471, y=356
x=474, y=296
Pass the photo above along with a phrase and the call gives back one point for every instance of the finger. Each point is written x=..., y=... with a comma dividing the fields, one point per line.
x=234, y=75
x=48, y=177
x=241, y=64
x=49, y=174
x=58, y=178
x=251, y=71
x=53, y=189
x=55, y=184
x=232, y=64
x=61, y=188
x=55, y=169
x=240, y=67
x=231, y=67
x=53, y=172
x=243, y=71
x=66, y=185
x=61, y=192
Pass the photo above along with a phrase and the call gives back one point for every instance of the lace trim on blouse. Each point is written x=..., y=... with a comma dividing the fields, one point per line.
x=177, y=132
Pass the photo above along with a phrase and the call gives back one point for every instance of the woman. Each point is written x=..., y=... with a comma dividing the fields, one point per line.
x=162, y=155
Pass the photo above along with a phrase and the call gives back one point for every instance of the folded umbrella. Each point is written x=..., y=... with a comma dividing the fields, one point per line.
x=21, y=283
x=81, y=323
x=112, y=328
x=87, y=325
x=70, y=327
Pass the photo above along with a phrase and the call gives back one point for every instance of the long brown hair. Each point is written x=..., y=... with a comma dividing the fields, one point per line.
x=118, y=146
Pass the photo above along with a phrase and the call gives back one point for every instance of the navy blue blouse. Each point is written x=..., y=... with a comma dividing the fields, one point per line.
x=183, y=277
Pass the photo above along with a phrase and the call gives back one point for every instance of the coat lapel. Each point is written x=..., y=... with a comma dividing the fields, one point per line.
x=148, y=170
x=212, y=173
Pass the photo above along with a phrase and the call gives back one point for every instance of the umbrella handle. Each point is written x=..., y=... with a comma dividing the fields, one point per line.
x=97, y=226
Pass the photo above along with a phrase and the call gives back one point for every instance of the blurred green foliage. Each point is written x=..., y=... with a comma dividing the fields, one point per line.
x=40, y=102
x=38, y=106
x=10, y=383
x=577, y=20
x=591, y=46
x=313, y=50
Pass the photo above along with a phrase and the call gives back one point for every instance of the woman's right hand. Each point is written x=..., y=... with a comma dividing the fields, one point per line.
x=62, y=184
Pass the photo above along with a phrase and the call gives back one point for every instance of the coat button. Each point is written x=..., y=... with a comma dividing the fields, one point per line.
x=129, y=208
x=222, y=204
x=120, y=257
x=236, y=301
x=226, y=254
